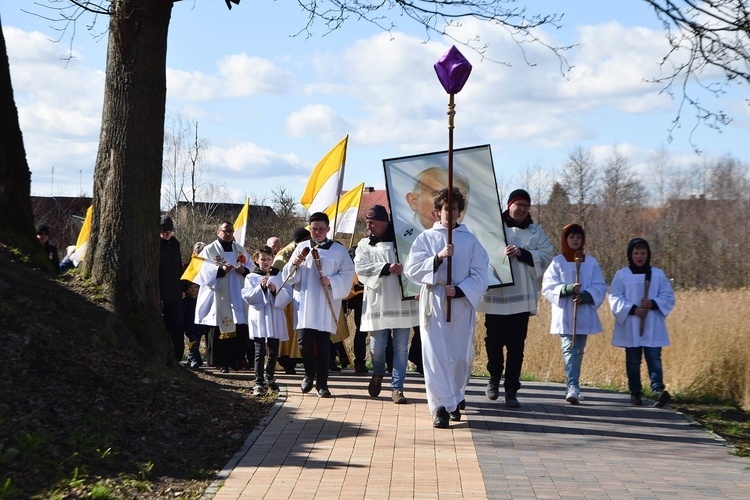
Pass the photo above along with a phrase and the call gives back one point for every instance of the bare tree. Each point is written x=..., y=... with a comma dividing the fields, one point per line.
x=580, y=180
x=704, y=35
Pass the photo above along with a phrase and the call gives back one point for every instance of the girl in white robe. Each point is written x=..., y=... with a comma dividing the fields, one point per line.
x=447, y=347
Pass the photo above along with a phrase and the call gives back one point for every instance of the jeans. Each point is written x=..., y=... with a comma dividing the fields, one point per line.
x=378, y=344
x=572, y=358
x=633, y=368
x=507, y=331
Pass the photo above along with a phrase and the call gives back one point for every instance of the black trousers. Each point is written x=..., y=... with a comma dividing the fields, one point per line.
x=227, y=352
x=260, y=358
x=509, y=332
x=315, y=347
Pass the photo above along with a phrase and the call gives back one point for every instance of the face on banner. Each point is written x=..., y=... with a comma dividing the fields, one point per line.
x=412, y=183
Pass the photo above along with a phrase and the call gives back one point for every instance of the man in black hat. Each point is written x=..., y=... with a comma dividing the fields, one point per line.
x=42, y=234
x=170, y=288
x=383, y=311
x=507, y=309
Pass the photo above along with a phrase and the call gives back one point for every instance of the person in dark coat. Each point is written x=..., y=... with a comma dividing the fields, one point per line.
x=170, y=287
x=42, y=234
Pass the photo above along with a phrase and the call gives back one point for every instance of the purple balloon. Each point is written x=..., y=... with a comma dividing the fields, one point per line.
x=453, y=69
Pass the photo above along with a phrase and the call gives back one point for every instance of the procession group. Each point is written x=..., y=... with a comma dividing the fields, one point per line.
x=275, y=295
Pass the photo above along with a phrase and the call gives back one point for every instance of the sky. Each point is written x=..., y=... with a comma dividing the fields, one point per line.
x=271, y=104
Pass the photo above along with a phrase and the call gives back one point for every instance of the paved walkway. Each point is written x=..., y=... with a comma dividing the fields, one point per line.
x=354, y=446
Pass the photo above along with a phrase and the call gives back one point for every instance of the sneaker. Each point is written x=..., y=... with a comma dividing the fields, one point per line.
x=662, y=398
x=462, y=405
x=573, y=396
x=271, y=383
x=441, y=419
x=224, y=369
x=635, y=399
x=455, y=415
x=398, y=397
x=375, y=384
x=259, y=390
x=492, y=391
x=307, y=384
x=324, y=393
x=511, y=401
x=194, y=365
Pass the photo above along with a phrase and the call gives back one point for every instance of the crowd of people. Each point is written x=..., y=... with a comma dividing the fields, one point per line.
x=285, y=305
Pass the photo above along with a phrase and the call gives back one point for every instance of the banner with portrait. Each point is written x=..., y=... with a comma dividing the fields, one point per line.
x=412, y=183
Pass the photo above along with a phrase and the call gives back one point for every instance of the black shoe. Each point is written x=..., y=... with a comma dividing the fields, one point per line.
x=224, y=369
x=492, y=391
x=307, y=384
x=662, y=398
x=635, y=399
x=333, y=367
x=455, y=415
x=441, y=418
x=361, y=370
x=375, y=384
x=324, y=393
x=289, y=370
x=462, y=405
x=511, y=401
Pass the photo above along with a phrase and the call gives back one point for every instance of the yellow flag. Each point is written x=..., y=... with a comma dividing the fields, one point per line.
x=324, y=185
x=240, y=225
x=82, y=242
x=348, y=209
x=199, y=270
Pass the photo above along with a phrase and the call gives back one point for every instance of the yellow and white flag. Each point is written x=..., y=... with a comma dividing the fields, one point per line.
x=240, y=225
x=324, y=185
x=82, y=242
x=348, y=209
x=200, y=270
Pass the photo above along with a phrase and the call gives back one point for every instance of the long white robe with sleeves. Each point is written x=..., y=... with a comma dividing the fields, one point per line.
x=625, y=292
x=219, y=301
x=311, y=309
x=560, y=273
x=265, y=311
x=382, y=307
x=447, y=348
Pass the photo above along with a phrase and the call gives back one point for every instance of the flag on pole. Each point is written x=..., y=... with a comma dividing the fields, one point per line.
x=324, y=185
x=240, y=225
x=82, y=242
x=200, y=270
x=348, y=209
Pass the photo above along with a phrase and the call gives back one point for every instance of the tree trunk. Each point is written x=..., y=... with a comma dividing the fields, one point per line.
x=16, y=216
x=123, y=252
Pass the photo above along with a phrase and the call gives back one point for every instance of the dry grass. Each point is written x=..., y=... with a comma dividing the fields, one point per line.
x=709, y=355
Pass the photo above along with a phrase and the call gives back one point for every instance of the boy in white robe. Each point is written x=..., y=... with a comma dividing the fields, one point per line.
x=447, y=347
x=641, y=297
x=317, y=299
x=575, y=296
x=266, y=299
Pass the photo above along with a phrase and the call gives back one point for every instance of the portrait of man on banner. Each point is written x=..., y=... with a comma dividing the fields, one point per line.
x=412, y=183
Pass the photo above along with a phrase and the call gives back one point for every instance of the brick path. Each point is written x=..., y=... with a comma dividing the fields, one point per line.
x=354, y=446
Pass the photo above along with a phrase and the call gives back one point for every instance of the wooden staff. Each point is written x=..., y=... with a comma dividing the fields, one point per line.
x=578, y=259
x=646, y=284
x=303, y=254
x=316, y=259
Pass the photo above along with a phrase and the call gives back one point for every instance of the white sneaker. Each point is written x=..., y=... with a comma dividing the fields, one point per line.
x=573, y=396
x=259, y=390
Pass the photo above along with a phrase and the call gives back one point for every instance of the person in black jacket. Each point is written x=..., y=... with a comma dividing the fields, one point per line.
x=42, y=234
x=170, y=288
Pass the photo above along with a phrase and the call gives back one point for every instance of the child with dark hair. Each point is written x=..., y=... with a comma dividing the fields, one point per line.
x=266, y=300
x=641, y=297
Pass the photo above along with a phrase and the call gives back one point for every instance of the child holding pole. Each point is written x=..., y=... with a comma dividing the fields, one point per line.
x=574, y=285
x=641, y=297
